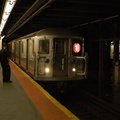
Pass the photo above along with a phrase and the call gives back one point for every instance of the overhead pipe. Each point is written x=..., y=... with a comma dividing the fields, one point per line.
x=30, y=13
x=95, y=21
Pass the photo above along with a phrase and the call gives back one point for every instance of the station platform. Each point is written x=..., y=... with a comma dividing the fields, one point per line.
x=24, y=99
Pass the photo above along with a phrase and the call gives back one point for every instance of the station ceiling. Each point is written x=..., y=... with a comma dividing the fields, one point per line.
x=31, y=15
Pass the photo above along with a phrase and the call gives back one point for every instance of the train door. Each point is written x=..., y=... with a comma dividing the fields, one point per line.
x=43, y=68
x=31, y=56
x=61, y=48
x=16, y=51
x=20, y=49
x=13, y=51
x=23, y=53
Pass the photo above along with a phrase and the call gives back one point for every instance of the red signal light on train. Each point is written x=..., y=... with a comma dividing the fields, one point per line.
x=76, y=47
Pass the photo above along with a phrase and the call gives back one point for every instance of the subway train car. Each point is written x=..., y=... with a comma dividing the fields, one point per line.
x=52, y=54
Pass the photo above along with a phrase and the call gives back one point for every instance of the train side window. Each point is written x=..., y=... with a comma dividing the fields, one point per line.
x=44, y=46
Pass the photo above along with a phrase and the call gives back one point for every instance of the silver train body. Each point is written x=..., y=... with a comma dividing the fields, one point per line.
x=51, y=54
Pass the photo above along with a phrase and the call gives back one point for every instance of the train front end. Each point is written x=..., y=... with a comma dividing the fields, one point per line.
x=61, y=59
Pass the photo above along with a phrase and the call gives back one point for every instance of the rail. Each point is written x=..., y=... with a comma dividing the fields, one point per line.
x=100, y=108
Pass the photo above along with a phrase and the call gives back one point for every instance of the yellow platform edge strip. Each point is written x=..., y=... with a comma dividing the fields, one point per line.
x=59, y=105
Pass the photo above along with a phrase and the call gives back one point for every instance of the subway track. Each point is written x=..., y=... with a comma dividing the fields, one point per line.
x=88, y=107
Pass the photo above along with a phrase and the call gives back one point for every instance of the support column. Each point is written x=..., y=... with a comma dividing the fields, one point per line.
x=116, y=83
x=101, y=80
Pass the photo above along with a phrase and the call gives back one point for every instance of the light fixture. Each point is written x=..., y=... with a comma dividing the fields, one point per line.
x=9, y=4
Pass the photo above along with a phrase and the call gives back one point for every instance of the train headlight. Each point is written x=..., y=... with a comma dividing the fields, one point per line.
x=47, y=70
x=73, y=69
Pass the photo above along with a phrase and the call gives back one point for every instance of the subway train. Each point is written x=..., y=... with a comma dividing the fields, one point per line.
x=51, y=54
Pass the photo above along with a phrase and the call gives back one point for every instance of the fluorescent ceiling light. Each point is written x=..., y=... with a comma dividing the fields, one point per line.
x=9, y=4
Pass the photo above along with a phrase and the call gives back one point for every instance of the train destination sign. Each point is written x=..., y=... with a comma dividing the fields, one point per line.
x=76, y=47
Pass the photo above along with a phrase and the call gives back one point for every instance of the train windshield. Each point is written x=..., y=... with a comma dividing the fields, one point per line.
x=44, y=46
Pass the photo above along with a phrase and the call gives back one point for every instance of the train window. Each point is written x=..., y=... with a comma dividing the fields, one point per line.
x=44, y=46
x=76, y=47
x=60, y=47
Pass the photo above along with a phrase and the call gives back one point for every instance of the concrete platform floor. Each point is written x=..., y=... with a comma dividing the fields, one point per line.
x=24, y=99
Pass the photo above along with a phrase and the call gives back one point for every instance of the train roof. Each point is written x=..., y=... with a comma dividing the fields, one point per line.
x=58, y=32
x=54, y=32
